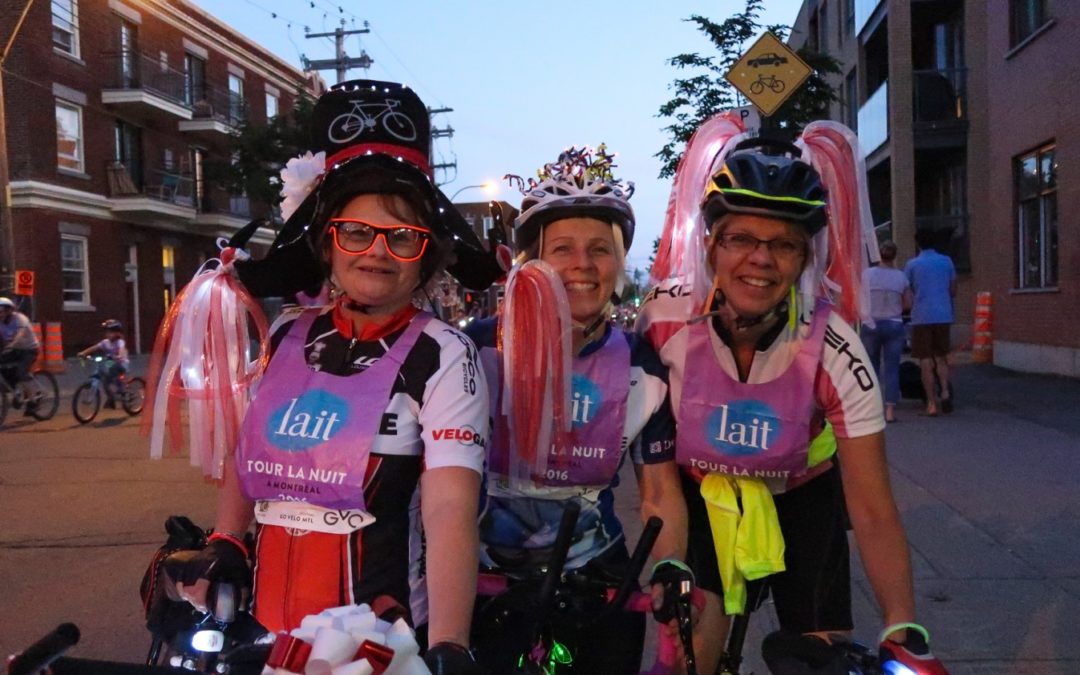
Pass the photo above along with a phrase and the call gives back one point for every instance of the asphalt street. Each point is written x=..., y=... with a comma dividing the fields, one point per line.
x=988, y=494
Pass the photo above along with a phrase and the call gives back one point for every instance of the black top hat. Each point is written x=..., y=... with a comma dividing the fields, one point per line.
x=377, y=139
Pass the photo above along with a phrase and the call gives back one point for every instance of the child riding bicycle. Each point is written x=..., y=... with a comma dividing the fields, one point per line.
x=114, y=348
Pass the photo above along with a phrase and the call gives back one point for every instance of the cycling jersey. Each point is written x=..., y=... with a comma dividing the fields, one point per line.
x=526, y=515
x=435, y=415
x=845, y=389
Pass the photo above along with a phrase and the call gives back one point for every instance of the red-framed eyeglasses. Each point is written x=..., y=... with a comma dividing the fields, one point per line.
x=406, y=243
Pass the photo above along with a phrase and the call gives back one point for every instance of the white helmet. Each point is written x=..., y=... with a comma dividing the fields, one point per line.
x=576, y=184
x=6, y=302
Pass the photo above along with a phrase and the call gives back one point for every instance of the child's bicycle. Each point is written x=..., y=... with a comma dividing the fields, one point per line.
x=11, y=395
x=86, y=403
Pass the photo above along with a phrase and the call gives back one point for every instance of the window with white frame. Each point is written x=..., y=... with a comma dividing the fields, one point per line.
x=65, y=26
x=236, y=98
x=74, y=270
x=271, y=106
x=168, y=273
x=69, y=136
x=1036, y=214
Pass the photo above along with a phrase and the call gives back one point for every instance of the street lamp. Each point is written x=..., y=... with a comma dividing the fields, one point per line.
x=488, y=186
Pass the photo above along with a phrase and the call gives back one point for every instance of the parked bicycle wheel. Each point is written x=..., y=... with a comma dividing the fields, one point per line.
x=134, y=397
x=86, y=402
x=49, y=402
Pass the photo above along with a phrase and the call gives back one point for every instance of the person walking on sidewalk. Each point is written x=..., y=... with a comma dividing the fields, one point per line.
x=890, y=295
x=18, y=351
x=933, y=283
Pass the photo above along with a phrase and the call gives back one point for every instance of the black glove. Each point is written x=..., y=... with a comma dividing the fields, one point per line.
x=914, y=652
x=450, y=658
x=220, y=562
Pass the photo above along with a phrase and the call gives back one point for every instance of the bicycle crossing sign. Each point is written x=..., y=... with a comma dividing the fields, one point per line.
x=768, y=73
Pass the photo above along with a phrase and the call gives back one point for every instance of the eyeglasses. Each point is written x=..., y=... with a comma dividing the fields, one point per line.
x=782, y=248
x=406, y=243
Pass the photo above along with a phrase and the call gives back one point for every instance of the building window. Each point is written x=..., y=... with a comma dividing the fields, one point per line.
x=1036, y=214
x=65, y=22
x=168, y=273
x=823, y=27
x=236, y=99
x=1025, y=17
x=194, y=79
x=271, y=106
x=69, y=137
x=849, y=16
x=851, y=100
x=74, y=270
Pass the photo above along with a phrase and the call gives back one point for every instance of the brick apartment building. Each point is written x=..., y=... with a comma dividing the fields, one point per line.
x=113, y=108
x=966, y=110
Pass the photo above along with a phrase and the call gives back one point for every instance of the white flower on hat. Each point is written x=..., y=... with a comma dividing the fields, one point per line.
x=298, y=179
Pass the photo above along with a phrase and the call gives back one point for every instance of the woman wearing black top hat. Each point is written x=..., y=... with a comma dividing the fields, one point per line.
x=361, y=453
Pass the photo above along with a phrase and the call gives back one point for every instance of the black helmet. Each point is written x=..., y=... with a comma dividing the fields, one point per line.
x=576, y=184
x=112, y=324
x=775, y=185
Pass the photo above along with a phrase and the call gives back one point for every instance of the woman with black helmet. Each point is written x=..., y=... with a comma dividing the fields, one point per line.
x=769, y=381
x=572, y=397
x=351, y=457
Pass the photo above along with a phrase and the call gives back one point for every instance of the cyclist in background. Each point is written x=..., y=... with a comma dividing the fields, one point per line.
x=114, y=348
x=572, y=236
x=18, y=350
x=770, y=386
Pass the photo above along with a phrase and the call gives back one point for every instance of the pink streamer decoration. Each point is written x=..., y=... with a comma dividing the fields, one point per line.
x=534, y=338
x=681, y=253
x=201, y=356
x=833, y=150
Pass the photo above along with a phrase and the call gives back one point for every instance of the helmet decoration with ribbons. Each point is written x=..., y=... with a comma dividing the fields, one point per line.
x=579, y=183
x=817, y=183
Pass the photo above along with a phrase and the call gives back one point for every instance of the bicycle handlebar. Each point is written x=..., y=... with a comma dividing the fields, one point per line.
x=558, y=561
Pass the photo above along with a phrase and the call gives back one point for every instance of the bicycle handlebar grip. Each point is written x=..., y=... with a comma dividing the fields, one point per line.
x=637, y=561
x=558, y=557
x=39, y=655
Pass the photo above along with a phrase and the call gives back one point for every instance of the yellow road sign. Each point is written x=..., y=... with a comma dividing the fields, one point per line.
x=768, y=73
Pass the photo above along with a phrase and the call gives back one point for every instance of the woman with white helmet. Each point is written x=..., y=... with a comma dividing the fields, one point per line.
x=572, y=397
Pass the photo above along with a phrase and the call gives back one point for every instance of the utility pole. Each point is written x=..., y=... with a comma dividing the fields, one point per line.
x=342, y=62
x=7, y=230
x=445, y=132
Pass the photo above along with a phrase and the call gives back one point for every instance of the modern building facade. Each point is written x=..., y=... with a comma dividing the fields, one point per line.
x=113, y=108
x=965, y=111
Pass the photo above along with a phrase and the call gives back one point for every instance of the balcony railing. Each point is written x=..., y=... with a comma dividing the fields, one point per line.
x=216, y=104
x=134, y=70
x=940, y=96
x=159, y=184
x=953, y=235
x=220, y=201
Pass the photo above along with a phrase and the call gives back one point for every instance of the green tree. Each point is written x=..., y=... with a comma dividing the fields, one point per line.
x=701, y=90
x=257, y=152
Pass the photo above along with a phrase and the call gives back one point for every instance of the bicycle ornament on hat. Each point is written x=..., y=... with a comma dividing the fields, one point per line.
x=535, y=326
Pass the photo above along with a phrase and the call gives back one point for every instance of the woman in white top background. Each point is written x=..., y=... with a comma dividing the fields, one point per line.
x=890, y=296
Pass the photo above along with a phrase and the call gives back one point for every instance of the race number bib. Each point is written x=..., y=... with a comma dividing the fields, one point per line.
x=304, y=516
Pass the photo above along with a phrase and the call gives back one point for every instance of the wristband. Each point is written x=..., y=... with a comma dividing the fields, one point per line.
x=678, y=564
x=454, y=647
x=897, y=626
x=230, y=537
